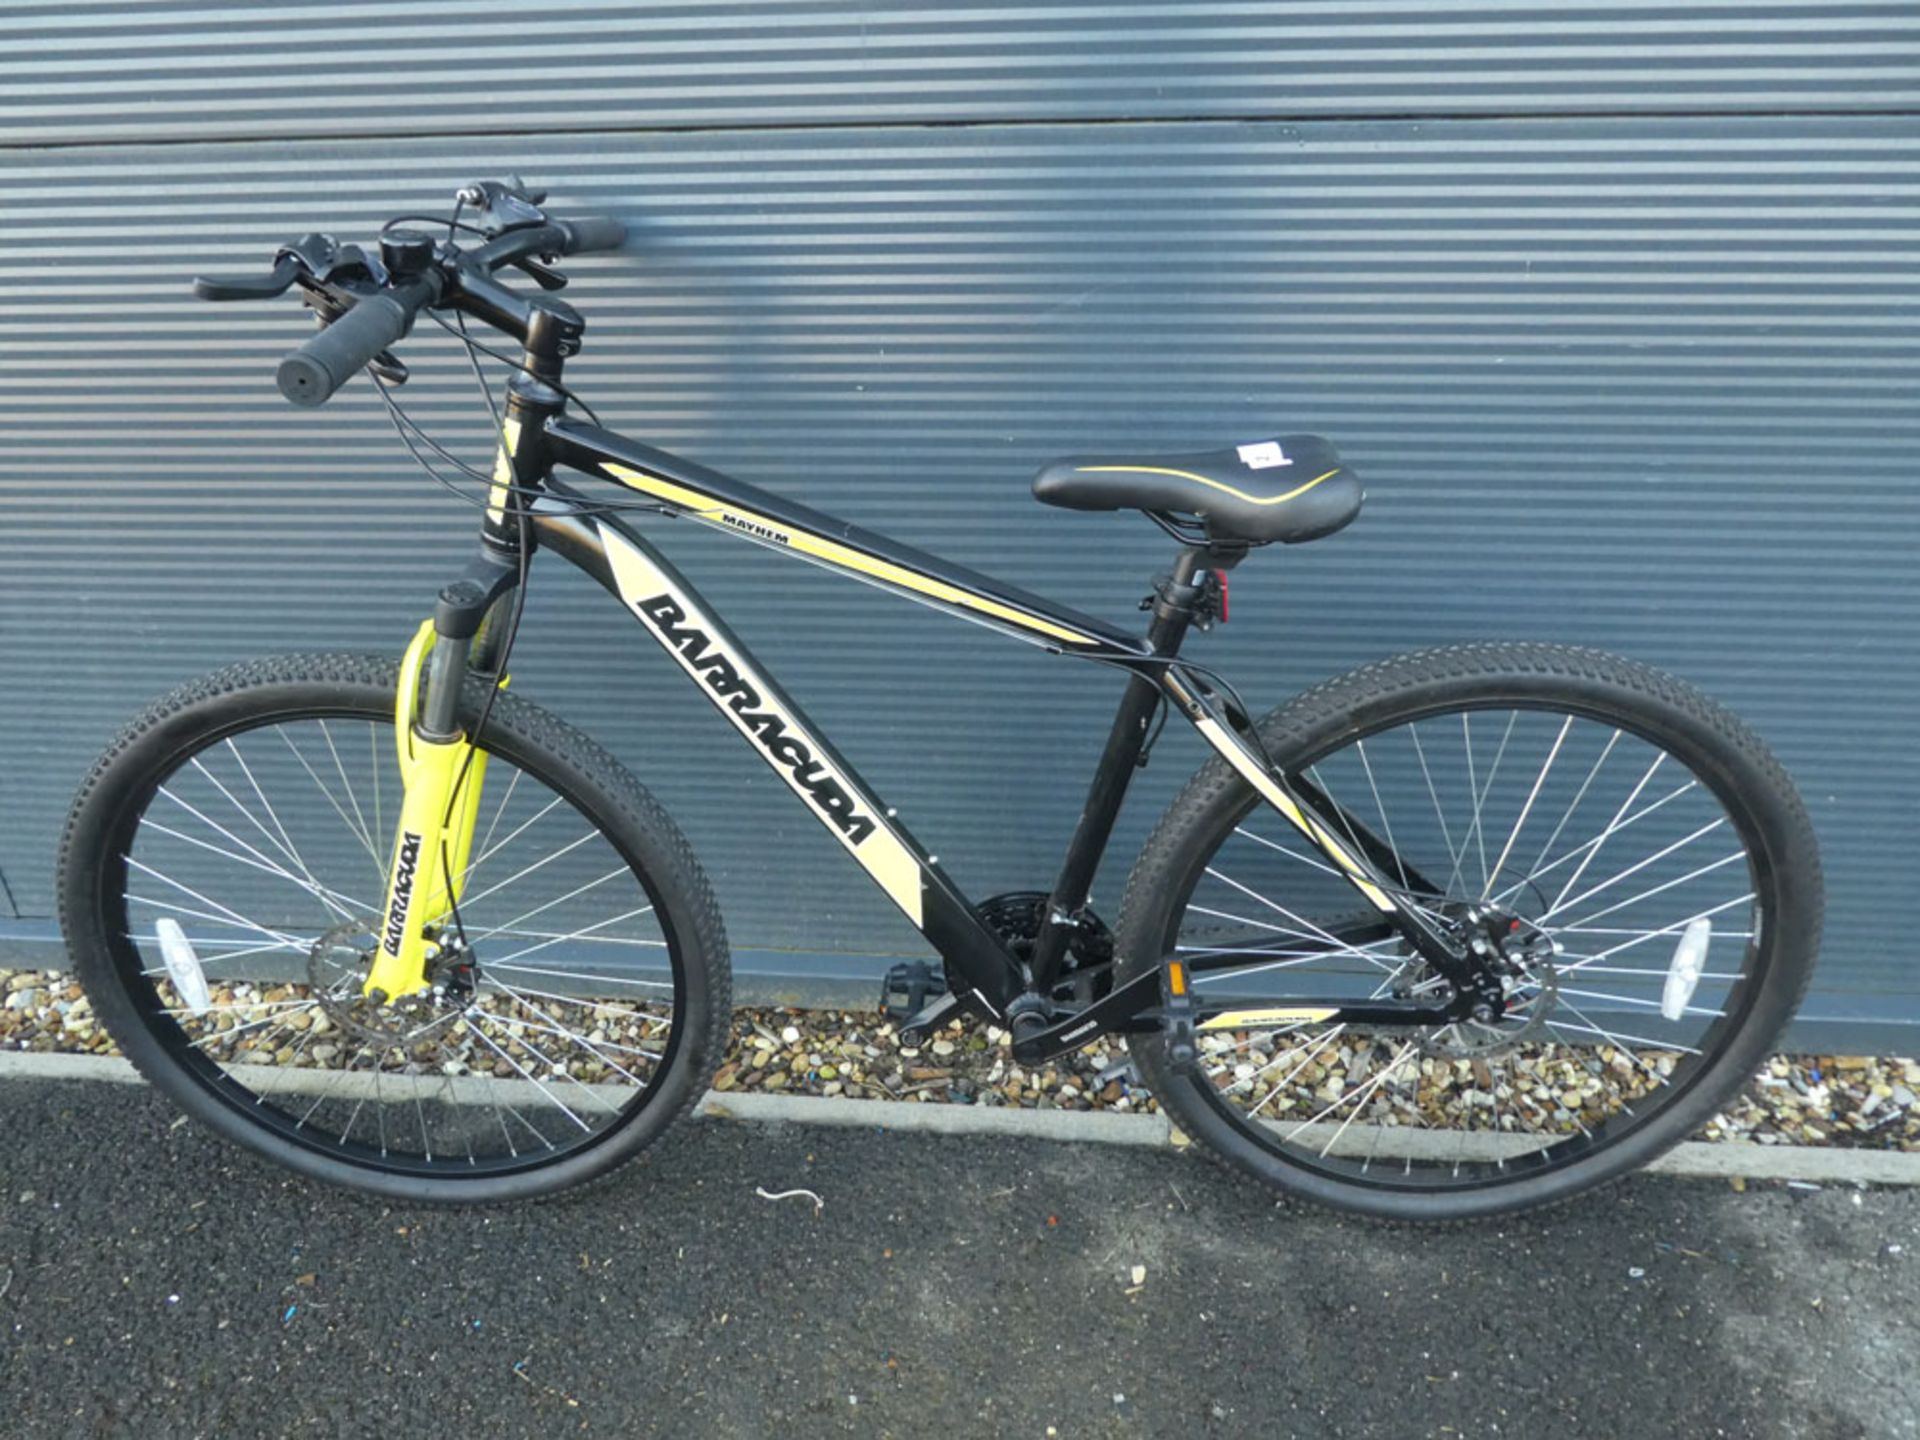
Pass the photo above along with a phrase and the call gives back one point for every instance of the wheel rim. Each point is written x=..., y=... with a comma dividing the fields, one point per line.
x=273, y=834
x=1589, y=833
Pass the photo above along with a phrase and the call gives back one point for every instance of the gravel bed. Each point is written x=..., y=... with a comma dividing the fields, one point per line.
x=1839, y=1100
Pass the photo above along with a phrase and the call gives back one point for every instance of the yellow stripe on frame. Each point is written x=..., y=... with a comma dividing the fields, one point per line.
x=1251, y=772
x=844, y=556
x=1221, y=485
x=1271, y=1015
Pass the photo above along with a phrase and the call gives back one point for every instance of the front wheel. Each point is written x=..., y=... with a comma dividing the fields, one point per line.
x=220, y=884
x=1634, y=861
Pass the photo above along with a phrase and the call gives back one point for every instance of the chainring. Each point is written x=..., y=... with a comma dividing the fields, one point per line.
x=1086, y=973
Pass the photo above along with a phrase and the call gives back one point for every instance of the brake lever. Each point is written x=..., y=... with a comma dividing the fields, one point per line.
x=543, y=274
x=313, y=259
x=251, y=287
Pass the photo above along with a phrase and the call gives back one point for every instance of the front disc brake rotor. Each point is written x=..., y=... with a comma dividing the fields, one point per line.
x=338, y=966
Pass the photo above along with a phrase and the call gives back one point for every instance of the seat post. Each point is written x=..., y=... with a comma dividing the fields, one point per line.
x=1173, y=605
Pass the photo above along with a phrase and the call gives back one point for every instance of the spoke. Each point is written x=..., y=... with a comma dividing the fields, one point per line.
x=1325, y=1040
x=282, y=842
x=586, y=930
x=1527, y=809
x=559, y=1029
x=234, y=915
x=590, y=939
x=481, y=851
x=319, y=892
x=285, y=942
x=333, y=1083
x=486, y=1040
x=508, y=839
x=541, y=909
x=1589, y=969
x=1312, y=930
x=221, y=1036
x=360, y=1104
x=1634, y=869
x=1359, y=1097
x=1624, y=1049
x=426, y=1141
x=1291, y=854
x=1620, y=1040
x=1380, y=807
x=1446, y=834
x=326, y=794
x=1612, y=825
x=306, y=874
x=1339, y=810
x=1658, y=889
x=286, y=839
x=1634, y=1000
x=1590, y=845
x=545, y=860
x=347, y=786
x=1678, y=927
x=379, y=828
x=1477, y=829
x=1573, y=805
x=244, y=951
x=516, y=1026
x=1663, y=930
x=252, y=1007
x=379, y=1100
x=587, y=979
x=626, y=1009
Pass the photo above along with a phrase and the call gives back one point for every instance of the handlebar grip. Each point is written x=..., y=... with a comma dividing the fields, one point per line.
x=593, y=234
x=311, y=374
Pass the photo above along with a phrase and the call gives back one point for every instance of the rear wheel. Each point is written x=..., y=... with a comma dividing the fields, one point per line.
x=220, y=885
x=1636, y=862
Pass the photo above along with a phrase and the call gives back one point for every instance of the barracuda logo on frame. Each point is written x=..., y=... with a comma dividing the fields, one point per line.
x=402, y=892
x=727, y=676
x=769, y=731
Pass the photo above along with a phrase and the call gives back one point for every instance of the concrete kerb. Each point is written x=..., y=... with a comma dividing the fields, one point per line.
x=1694, y=1160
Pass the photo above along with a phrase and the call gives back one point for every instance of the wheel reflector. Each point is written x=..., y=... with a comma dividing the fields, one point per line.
x=183, y=966
x=1689, y=958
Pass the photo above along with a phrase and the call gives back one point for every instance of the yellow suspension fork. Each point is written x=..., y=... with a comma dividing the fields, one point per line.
x=443, y=775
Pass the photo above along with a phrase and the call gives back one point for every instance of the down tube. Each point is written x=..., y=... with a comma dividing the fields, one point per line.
x=699, y=642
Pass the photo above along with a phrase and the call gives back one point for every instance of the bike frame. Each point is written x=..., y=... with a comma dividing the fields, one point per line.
x=540, y=438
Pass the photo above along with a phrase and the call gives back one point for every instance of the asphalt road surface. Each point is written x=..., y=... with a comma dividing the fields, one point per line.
x=153, y=1282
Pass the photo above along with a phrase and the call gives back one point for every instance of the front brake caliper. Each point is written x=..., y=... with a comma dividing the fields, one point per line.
x=434, y=839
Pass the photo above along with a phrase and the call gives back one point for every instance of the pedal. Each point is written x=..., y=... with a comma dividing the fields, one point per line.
x=1176, y=1005
x=916, y=980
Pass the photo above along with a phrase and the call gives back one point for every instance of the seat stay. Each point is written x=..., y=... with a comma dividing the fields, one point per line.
x=1352, y=863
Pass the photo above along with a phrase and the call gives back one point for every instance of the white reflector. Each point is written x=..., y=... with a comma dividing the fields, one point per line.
x=1683, y=975
x=183, y=966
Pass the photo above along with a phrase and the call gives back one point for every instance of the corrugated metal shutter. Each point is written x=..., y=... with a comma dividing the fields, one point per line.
x=1640, y=380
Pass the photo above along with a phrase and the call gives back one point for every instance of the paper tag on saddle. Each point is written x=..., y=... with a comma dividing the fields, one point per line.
x=1263, y=455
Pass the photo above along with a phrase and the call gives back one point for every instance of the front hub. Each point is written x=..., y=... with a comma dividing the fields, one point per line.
x=338, y=966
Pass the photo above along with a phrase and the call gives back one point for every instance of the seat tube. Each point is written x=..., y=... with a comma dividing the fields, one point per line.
x=1172, y=616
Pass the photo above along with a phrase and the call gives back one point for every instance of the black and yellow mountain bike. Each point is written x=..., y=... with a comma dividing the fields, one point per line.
x=1463, y=931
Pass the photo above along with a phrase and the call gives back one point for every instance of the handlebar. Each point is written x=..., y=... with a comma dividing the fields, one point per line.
x=311, y=374
x=372, y=310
